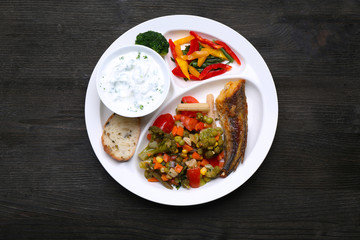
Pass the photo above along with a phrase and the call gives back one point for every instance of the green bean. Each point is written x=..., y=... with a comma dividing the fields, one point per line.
x=185, y=183
x=209, y=60
x=227, y=55
x=158, y=177
x=147, y=174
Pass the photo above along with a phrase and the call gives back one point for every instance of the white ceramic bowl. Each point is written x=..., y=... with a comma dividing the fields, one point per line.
x=119, y=89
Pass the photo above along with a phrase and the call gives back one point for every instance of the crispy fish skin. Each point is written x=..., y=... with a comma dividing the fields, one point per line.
x=232, y=108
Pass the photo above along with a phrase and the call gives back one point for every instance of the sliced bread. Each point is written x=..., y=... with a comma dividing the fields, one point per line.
x=120, y=137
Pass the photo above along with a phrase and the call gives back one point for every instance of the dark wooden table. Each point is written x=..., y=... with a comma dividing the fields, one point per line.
x=53, y=186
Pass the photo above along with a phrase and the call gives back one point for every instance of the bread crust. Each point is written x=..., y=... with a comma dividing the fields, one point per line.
x=120, y=137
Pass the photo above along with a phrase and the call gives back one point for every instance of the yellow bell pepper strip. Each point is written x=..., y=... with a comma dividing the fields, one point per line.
x=229, y=51
x=184, y=66
x=178, y=51
x=206, y=41
x=215, y=52
x=205, y=74
x=184, y=40
x=195, y=55
x=201, y=61
x=193, y=71
x=205, y=45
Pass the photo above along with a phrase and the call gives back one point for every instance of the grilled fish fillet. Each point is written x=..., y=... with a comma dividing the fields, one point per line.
x=232, y=109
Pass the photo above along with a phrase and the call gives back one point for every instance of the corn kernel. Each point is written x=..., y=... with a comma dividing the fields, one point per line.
x=184, y=151
x=203, y=170
x=159, y=159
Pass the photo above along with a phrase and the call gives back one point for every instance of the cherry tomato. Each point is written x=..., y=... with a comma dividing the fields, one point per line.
x=193, y=174
x=165, y=122
x=189, y=99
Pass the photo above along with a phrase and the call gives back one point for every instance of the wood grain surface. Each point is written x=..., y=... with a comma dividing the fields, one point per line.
x=53, y=186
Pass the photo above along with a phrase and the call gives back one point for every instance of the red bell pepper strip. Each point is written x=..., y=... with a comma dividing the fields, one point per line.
x=229, y=51
x=215, y=66
x=172, y=49
x=206, y=41
x=194, y=46
x=215, y=73
x=177, y=72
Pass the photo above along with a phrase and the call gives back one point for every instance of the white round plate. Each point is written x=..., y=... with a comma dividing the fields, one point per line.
x=262, y=111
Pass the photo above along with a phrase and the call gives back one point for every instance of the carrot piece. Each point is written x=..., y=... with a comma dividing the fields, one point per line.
x=196, y=156
x=221, y=164
x=174, y=130
x=217, y=137
x=148, y=136
x=180, y=131
x=164, y=178
x=185, y=159
x=178, y=168
x=177, y=117
x=166, y=157
x=158, y=165
x=221, y=156
x=204, y=162
x=172, y=181
x=187, y=147
x=152, y=179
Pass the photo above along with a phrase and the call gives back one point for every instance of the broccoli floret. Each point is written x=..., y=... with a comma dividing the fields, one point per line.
x=153, y=40
x=166, y=143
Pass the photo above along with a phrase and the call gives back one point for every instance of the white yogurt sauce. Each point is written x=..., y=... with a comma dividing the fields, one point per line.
x=133, y=80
